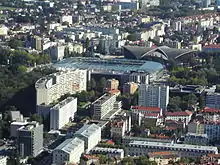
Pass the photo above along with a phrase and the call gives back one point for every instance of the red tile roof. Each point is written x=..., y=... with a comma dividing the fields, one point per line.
x=212, y=46
x=146, y=108
x=184, y=113
x=109, y=142
x=210, y=110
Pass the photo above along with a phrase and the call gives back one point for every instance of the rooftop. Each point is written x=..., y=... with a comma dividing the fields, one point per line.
x=210, y=110
x=171, y=145
x=63, y=103
x=108, y=150
x=163, y=154
x=87, y=130
x=103, y=99
x=146, y=108
x=185, y=113
x=109, y=65
x=70, y=144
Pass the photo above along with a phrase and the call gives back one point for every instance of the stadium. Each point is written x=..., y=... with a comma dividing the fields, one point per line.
x=162, y=52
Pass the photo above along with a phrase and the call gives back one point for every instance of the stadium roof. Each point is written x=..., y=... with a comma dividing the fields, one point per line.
x=164, y=52
x=110, y=65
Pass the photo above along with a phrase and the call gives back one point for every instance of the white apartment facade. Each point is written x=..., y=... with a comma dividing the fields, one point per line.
x=103, y=105
x=68, y=151
x=153, y=96
x=63, y=113
x=90, y=134
x=52, y=87
x=179, y=116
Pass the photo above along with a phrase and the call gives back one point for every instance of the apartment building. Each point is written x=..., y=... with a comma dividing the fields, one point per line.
x=63, y=113
x=153, y=96
x=52, y=87
x=30, y=139
x=139, y=77
x=213, y=100
x=140, y=148
x=57, y=52
x=120, y=125
x=90, y=134
x=211, y=114
x=87, y=159
x=112, y=84
x=130, y=88
x=68, y=151
x=15, y=126
x=103, y=105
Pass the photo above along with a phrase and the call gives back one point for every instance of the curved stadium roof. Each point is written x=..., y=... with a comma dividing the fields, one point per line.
x=164, y=52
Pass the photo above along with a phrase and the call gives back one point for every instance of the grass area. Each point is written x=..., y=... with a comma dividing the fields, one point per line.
x=6, y=8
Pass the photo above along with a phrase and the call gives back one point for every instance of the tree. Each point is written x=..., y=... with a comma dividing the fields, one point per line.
x=36, y=117
x=128, y=161
x=201, y=101
x=102, y=84
x=87, y=43
x=136, y=130
x=93, y=83
x=143, y=160
x=191, y=99
x=15, y=43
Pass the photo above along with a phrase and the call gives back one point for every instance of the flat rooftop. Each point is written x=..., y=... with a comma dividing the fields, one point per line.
x=103, y=99
x=107, y=65
x=170, y=145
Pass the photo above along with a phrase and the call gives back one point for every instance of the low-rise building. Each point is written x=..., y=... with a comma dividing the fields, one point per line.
x=89, y=159
x=3, y=160
x=163, y=157
x=179, y=116
x=90, y=134
x=141, y=148
x=211, y=114
x=70, y=150
x=110, y=152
